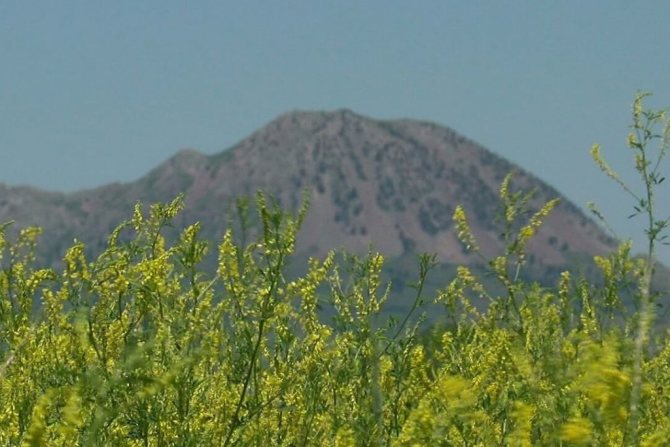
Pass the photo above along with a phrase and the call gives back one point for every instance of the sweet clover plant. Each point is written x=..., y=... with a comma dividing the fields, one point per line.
x=142, y=346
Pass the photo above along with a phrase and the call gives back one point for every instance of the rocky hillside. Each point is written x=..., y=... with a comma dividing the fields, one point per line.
x=392, y=184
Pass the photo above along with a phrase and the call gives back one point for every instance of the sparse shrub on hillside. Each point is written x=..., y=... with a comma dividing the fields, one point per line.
x=140, y=347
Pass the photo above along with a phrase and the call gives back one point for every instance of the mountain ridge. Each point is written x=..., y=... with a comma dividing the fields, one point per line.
x=390, y=183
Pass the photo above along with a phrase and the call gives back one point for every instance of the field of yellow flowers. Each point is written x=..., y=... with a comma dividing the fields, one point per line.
x=141, y=347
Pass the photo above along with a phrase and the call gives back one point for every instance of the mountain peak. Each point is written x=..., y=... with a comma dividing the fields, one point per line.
x=299, y=114
x=390, y=183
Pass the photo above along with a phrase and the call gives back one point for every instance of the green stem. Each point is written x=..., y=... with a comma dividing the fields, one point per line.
x=645, y=315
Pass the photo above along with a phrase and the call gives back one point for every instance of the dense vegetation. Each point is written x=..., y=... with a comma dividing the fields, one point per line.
x=141, y=347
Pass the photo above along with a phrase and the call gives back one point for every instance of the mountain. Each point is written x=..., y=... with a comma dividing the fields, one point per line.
x=392, y=184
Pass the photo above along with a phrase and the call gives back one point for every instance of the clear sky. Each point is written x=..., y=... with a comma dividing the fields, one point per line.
x=95, y=92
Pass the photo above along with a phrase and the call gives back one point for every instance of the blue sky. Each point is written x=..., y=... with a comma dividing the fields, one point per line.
x=95, y=92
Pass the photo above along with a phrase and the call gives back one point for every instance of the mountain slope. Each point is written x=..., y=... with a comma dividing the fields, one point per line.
x=392, y=184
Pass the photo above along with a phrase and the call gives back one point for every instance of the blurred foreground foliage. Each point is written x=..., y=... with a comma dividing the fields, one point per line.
x=141, y=347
